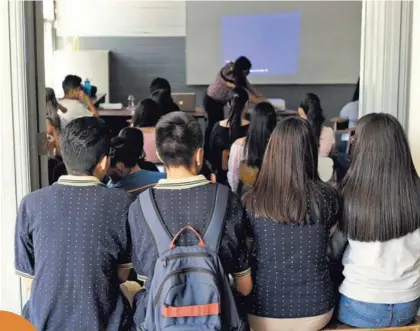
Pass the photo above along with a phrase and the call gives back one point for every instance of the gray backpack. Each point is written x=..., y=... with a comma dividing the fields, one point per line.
x=189, y=290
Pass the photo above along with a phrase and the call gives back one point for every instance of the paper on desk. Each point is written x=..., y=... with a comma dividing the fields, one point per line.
x=111, y=106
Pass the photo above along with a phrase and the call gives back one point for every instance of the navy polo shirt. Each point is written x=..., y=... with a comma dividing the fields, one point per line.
x=71, y=239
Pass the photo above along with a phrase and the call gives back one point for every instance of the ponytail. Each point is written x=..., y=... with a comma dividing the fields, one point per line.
x=240, y=66
x=237, y=105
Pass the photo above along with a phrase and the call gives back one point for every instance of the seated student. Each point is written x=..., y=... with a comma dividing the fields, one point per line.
x=132, y=133
x=252, y=147
x=145, y=118
x=56, y=167
x=350, y=112
x=381, y=218
x=165, y=102
x=311, y=110
x=77, y=103
x=291, y=212
x=52, y=101
x=160, y=91
x=125, y=172
x=72, y=240
x=186, y=198
x=225, y=133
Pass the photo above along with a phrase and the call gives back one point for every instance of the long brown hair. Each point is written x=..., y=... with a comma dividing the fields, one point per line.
x=289, y=175
x=381, y=190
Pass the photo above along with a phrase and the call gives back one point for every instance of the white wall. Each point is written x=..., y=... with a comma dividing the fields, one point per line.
x=414, y=110
x=86, y=18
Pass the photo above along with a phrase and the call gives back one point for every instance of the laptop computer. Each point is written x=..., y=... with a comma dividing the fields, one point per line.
x=185, y=101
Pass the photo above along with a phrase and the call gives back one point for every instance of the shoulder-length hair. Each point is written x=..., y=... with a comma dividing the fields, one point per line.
x=146, y=114
x=288, y=178
x=381, y=190
x=263, y=122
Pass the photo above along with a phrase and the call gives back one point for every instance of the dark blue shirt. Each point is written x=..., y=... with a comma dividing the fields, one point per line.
x=139, y=181
x=72, y=238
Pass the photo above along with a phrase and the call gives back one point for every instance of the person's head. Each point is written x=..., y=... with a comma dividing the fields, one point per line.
x=164, y=100
x=241, y=69
x=237, y=109
x=288, y=174
x=71, y=86
x=146, y=115
x=85, y=147
x=126, y=151
x=179, y=142
x=311, y=110
x=53, y=135
x=263, y=122
x=381, y=190
x=356, y=91
x=159, y=83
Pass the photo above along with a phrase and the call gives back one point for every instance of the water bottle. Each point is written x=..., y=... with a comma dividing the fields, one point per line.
x=131, y=103
x=87, y=87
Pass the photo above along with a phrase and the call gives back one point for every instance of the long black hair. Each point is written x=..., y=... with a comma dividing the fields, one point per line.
x=356, y=91
x=164, y=100
x=241, y=68
x=237, y=105
x=381, y=190
x=311, y=105
x=147, y=114
x=263, y=122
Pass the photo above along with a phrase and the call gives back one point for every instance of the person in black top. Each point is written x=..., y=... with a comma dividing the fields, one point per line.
x=226, y=132
x=160, y=91
x=72, y=240
x=186, y=198
x=291, y=212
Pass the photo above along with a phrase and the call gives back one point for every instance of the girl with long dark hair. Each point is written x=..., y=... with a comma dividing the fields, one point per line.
x=145, y=118
x=219, y=92
x=249, y=151
x=227, y=131
x=311, y=110
x=291, y=213
x=381, y=218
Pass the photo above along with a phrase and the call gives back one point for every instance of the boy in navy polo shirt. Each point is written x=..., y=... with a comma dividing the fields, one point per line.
x=72, y=240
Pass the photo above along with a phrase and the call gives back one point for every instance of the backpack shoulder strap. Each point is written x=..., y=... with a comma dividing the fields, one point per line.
x=214, y=231
x=154, y=221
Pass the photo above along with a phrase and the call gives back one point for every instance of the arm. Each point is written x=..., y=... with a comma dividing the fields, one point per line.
x=253, y=90
x=84, y=98
x=24, y=250
x=235, y=158
x=124, y=255
x=62, y=108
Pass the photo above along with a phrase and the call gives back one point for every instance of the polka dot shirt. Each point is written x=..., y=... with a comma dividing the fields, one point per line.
x=290, y=268
x=181, y=204
x=72, y=238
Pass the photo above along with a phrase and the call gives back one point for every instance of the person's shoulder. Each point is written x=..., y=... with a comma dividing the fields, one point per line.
x=116, y=194
x=327, y=131
x=239, y=142
x=352, y=106
x=39, y=195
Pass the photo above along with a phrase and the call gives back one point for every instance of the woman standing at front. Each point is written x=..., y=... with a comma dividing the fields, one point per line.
x=381, y=217
x=233, y=74
x=291, y=212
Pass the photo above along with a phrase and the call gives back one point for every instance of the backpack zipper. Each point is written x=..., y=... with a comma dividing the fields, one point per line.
x=176, y=272
x=181, y=255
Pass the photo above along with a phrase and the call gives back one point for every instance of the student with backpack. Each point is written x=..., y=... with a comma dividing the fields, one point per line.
x=188, y=236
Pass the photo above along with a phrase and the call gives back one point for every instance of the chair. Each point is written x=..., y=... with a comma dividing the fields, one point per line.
x=413, y=327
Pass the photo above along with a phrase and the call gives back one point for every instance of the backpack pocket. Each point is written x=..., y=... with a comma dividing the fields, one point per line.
x=189, y=299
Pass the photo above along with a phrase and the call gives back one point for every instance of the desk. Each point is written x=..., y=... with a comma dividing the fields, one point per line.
x=117, y=118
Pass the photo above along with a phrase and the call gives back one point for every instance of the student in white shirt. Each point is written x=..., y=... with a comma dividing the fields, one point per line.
x=381, y=218
x=77, y=103
x=350, y=112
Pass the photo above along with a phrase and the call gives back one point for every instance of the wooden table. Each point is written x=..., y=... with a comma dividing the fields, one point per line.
x=198, y=113
x=117, y=118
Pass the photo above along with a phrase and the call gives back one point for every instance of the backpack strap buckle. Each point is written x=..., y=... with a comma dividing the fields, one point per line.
x=201, y=242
